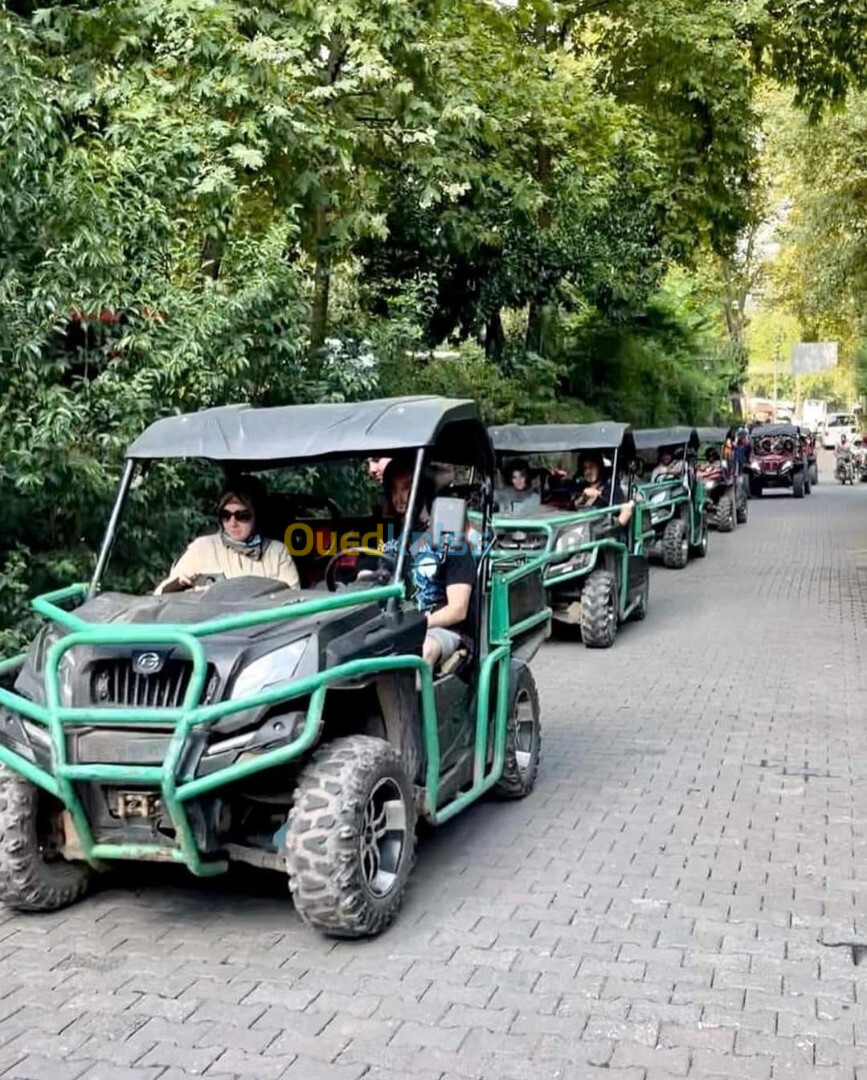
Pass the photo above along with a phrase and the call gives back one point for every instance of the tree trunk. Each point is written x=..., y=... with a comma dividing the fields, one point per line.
x=495, y=337
x=321, y=293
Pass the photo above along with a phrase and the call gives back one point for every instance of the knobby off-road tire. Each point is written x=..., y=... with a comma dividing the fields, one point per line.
x=726, y=514
x=814, y=475
x=798, y=486
x=743, y=509
x=675, y=545
x=350, y=845
x=699, y=550
x=523, y=738
x=32, y=877
x=757, y=489
x=639, y=612
x=599, y=610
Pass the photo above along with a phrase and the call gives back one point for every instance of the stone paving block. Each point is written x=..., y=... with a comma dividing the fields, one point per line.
x=237, y=1062
x=102, y=1071
x=631, y=1055
x=37, y=1067
x=308, y=1069
x=708, y=1065
x=192, y=1059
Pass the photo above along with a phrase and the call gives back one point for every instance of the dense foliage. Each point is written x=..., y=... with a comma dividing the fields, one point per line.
x=207, y=201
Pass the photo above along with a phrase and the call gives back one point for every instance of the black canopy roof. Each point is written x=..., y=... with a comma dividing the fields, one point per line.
x=562, y=438
x=248, y=436
x=653, y=438
x=791, y=430
x=713, y=434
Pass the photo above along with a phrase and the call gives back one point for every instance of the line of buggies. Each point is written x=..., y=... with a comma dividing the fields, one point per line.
x=298, y=728
x=654, y=496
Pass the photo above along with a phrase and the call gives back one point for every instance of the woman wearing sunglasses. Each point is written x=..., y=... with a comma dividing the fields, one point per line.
x=237, y=549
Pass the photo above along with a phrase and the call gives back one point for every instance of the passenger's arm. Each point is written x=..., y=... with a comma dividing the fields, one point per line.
x=625, y=515
x=185, y=569
x=287, y=571
x=455, y=609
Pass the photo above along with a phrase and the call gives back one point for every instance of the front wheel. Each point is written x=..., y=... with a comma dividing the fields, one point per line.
x=599, y=610
x=814, y=475
x=351, y=837
x=798, y=486
x=523, y=739
x=675, y=545
x=34, y=876
x=699, y=550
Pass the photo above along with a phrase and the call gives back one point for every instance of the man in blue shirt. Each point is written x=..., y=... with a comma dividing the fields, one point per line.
x=440, y=581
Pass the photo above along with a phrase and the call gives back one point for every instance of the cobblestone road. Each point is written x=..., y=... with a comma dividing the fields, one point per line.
x=683, y=895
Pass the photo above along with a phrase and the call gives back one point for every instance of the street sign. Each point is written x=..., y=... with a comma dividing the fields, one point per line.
x=813, y=357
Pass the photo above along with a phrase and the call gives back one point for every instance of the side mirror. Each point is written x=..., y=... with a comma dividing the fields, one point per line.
x=448, y=522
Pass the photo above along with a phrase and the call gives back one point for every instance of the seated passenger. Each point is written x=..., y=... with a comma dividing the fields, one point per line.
x=237, y=549
x=667, y=466
x=518, y=494
x=597, y=490
x=376, y=466
x=441, y=582
x=711, y=457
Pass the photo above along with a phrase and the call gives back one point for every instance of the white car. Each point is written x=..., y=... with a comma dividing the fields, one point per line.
x=838, y=424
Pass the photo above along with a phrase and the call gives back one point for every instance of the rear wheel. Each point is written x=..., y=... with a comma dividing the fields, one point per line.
x=675, y=545
x=351, y=838
x=523, y=739
x=798, y=486
x=726, y=518
x=743, y=508
x=34, y=876
x=599, y=610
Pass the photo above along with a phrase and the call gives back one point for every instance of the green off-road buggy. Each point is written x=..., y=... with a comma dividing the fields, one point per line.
x=676, y=511
x=597, y=573
x=246, y=721
x=727, y=489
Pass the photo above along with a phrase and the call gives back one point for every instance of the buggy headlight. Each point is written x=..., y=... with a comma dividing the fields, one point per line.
x=64, y=679
x=573, y=538
x=273, y=669
x=786, y=465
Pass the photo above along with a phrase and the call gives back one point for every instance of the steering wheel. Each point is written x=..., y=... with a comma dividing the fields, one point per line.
x=385, y=567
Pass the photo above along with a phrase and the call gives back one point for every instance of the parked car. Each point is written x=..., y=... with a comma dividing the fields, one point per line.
x=836, y=425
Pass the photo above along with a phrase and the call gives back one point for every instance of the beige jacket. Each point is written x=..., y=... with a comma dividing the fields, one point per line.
x=209, y=555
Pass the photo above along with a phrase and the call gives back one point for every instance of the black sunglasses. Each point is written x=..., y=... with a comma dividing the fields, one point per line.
x=238, y=515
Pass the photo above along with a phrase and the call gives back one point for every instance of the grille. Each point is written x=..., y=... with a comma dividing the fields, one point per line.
x=116, y=682
x=518, y=540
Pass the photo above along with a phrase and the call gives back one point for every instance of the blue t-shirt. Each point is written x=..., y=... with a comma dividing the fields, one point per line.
x=432, y=572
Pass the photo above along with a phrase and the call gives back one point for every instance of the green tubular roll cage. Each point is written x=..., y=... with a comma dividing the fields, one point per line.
x=176, y=790
x=680, y=495
x=557, y=523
